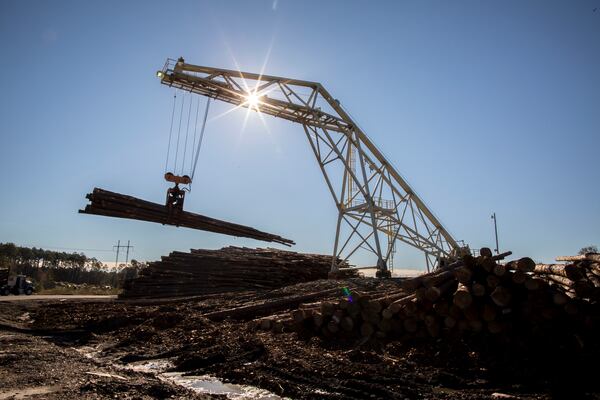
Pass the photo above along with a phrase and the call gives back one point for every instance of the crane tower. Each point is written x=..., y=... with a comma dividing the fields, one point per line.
x=376, y=206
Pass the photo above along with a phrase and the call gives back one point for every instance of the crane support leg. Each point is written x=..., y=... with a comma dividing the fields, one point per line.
x=381, y=263
x=360, y=235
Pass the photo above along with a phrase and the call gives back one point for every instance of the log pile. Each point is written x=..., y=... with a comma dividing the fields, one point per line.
x=474, y=296
x=229, y=269
x=117, y=205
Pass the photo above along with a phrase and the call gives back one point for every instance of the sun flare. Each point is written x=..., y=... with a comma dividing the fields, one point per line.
x=253, y=100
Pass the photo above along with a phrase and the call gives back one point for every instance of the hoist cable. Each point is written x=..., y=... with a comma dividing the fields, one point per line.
x=187, y=132
x=179, y=133
x=195, y=133
x=200, y=138
x=171, y=130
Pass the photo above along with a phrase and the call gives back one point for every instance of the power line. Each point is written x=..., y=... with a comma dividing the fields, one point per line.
x=66, y=248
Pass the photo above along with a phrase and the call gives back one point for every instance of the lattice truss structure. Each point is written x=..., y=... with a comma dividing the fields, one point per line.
x=377, y=209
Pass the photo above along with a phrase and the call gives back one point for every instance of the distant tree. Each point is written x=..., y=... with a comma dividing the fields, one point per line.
x=25, y=254
x=9, y=250
x=589, y=249
x=47, y=267
x=93, y=264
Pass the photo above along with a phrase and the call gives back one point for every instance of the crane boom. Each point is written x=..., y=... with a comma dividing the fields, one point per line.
x=373, y=199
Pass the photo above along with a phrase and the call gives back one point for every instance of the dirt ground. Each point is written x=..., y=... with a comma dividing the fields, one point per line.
x=38, y=365
x=50, y=339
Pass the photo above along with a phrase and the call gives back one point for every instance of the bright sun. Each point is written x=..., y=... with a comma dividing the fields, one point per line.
x=252, y=100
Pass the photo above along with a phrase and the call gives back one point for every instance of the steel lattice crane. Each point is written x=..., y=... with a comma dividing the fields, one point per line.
x=376, y=206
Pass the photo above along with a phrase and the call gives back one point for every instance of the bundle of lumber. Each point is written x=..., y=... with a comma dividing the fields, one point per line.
x=117, y=205
x=473, y=296
x=229, y=269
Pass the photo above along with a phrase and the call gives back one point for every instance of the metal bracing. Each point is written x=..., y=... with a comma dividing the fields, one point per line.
x=376, y=206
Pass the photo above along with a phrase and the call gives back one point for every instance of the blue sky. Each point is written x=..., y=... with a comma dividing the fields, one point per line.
x=482, y=106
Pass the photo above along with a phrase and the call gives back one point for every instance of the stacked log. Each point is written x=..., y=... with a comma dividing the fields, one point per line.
x=118, y=205
x=474, y=296
x=230, y=269
x=591, y=257
x=579, y=277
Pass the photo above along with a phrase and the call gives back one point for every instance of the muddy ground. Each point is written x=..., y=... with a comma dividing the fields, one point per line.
x=51, y=365
x=44, y=346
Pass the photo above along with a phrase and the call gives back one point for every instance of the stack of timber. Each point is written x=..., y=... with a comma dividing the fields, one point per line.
x=229, y=269
x=472, y=297
x=117, y=205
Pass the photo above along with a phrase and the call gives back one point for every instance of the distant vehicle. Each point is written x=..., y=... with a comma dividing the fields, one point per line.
x=16, y=285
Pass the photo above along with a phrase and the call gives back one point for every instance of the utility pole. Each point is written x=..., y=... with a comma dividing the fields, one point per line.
x=119, y=247
x=496, y=232
x=127, y=254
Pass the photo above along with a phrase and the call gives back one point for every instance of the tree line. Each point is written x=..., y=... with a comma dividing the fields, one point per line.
x=46, y=267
